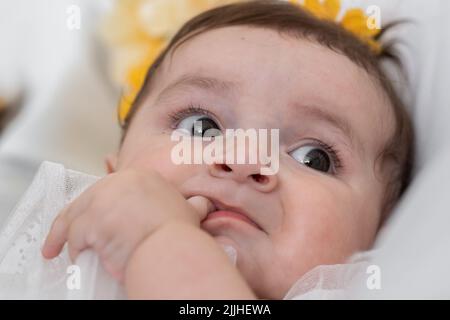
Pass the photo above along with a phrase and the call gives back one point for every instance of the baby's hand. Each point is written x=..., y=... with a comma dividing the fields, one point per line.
x=117, y=213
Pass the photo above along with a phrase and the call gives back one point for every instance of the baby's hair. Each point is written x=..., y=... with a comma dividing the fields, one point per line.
x=294, y=21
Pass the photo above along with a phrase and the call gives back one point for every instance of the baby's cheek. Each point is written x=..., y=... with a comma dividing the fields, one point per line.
x=320, y=224
x=326, y=233
x=156, y=155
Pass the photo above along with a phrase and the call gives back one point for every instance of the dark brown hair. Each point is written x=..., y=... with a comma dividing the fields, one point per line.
x=292, y=20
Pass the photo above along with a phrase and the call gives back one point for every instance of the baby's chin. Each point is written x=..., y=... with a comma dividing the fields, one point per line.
x=247, y=240
x=250, y=260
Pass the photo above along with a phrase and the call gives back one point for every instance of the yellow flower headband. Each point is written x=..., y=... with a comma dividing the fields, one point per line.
x=354, y=20
x=138, y=30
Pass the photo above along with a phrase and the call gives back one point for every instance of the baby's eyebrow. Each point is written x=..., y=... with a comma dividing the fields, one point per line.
x=333, y=119
x=222, y=87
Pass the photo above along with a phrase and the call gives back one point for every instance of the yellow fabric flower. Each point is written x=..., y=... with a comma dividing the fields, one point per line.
x=137, y=31
x=354, y=20
x=327, y=9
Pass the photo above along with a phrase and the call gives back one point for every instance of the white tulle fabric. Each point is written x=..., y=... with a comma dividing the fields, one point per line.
x=24, y=273
x=333, y=282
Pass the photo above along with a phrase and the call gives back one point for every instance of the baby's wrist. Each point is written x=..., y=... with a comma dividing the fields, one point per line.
x=163, y=249
x=176, y=230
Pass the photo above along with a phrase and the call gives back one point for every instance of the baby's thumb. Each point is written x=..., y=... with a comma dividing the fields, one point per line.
x=202, y=205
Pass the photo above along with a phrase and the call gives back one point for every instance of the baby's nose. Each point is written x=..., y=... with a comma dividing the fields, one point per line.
x=245, y=173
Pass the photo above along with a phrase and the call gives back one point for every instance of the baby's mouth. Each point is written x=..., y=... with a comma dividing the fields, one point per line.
x=222, y=211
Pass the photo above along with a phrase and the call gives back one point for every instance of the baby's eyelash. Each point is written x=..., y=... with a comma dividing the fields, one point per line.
x=180, y=114
x=334, y=154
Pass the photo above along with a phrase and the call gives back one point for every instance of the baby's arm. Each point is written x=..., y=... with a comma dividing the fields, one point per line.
x=180, y=261
x=143, y=229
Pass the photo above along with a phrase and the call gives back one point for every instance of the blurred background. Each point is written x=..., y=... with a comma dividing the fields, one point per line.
x=57, y=101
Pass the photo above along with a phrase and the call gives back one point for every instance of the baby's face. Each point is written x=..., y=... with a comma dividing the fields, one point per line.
x=320, y=207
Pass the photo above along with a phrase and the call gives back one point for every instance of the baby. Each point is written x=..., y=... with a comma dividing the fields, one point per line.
x=345, y=148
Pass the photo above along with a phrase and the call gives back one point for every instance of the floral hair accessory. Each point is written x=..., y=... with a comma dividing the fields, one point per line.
x=137, y=31
x=354, y=20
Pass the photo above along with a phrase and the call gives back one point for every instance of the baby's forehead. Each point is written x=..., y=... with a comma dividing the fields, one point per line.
x=253, y=57
x=276, y=74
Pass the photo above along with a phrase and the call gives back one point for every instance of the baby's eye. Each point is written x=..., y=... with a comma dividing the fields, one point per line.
x=313, y=157
x=200, y=126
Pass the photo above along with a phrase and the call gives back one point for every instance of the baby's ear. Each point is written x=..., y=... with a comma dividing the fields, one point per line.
x=111, y=163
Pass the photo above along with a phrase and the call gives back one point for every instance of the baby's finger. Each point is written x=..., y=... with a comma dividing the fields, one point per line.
x=57, y=236
x=115, y=256
x=202, y=205
x=78, y=236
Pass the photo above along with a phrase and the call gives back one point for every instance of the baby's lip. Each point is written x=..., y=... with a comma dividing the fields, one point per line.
x=221, y=209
